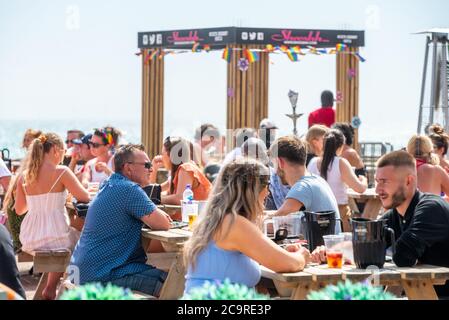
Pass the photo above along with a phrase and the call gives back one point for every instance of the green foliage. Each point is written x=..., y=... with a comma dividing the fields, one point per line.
x=224, y=291
x=351, y=291
x=96, y=291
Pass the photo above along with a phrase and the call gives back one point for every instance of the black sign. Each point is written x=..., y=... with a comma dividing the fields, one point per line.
x=218, y=38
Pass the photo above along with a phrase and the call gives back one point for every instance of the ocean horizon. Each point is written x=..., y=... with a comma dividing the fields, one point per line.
x=12, y=130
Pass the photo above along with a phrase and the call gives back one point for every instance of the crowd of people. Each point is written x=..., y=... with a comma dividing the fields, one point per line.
x=260, y=178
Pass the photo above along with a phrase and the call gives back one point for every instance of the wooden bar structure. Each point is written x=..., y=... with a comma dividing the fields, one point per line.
x=247, y=96
x=152, y=103
x=348, y=87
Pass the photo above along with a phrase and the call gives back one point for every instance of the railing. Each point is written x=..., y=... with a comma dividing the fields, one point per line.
x=370, y=152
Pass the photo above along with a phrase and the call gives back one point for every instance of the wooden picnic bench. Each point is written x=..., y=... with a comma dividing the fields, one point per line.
x=172, y=241
x=417, y=281
x=49, y=261
x=373, y=205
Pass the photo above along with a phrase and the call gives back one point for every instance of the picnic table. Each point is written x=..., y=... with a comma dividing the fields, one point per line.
x=417, y=281
x=373, y=205
x=172, y=241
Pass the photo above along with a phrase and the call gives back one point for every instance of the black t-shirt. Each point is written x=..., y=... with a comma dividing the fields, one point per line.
x=422, y=234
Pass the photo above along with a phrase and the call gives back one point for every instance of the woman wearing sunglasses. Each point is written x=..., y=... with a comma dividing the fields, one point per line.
x=100, y=168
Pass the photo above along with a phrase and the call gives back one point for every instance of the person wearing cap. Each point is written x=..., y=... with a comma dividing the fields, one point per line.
x=326, y=113
x=81, y=154
x=267, y=131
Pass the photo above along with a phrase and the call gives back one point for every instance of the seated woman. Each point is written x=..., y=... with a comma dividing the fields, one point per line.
x=338, y=173
x=42, y=191
x=348, y=152
x=314, y=139
x=431, y=177
x=176, y=157
x=227, y=241
x=440, y=141
x=99, y=168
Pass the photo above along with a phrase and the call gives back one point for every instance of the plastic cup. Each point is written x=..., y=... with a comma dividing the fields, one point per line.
x=188, y=208
x=334, y=252
x=346, y=247
x=192, y=218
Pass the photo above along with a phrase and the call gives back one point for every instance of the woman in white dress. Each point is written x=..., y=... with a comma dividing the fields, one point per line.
x=42, y=191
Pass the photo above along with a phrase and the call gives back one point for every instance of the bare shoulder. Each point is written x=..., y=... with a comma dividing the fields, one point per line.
x=234, y=226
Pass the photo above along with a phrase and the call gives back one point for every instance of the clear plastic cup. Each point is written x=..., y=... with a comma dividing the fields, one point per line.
x=188, y=208
x=346, y=247
x=334, y=252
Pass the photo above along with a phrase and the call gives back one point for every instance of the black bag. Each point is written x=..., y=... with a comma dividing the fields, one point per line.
x=81, y=208
x=153, y=192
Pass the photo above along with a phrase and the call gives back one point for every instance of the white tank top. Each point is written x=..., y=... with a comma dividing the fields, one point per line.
x=46, y=225
x=99, y=176
x=334, y=179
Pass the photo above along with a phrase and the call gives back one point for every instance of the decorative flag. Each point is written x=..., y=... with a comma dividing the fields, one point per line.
x=358, y=56
x=252, y=56
x=322, y=51
x=293, y=56
x=296, y=49
x=332, y=51
x=154, y=54
x=161, y=55
x=284, y=49
x=269, y=48
x=195, y=47
x=138, y=53
x=313, y=50
x=340, y=47
x=226, y=55
x=206, y=47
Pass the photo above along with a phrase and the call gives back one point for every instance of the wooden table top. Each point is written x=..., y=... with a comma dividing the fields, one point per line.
x=390, y=272
x=370, y=193
x=171, y=236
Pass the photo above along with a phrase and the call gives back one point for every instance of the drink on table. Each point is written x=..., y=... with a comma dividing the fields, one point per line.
x=334, y=252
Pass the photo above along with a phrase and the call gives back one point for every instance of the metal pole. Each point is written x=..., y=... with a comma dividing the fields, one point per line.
x=434, y=78
x=444, y=86
x=423, y=85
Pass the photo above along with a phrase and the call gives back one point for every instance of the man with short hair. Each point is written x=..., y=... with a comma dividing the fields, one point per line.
x=80, y=155
x=110, y=248
x=308, y=191
x=420, y=220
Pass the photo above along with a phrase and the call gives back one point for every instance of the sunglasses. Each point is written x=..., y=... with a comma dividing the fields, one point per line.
x=146, y=164
x=96, y=145
x=69, y=141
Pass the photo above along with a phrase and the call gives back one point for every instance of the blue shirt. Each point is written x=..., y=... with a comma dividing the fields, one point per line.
x=214, y=263
x=110, y=244
x=316, y=195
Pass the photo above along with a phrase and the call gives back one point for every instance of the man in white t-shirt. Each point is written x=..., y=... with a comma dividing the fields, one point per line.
x=5, y=175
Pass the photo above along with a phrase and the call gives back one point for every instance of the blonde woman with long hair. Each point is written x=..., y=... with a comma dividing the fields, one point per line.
x=315, y=141
x=42, y=191
x=227, y=241
x=431, y=177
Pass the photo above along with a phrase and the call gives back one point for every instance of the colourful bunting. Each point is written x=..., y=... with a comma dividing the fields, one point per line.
x=358, y=56
x=269, y=48
x=252, y=56
x=154, y=54
x=206, y=47
x=284, y=49
x=195, y=47
x=293, y=56
x=226, y=55
x=340, y=47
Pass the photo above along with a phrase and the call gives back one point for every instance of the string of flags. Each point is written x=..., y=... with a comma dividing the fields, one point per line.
x=252, y=55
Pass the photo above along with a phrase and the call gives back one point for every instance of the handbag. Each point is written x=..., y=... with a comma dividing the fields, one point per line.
x=153, y=192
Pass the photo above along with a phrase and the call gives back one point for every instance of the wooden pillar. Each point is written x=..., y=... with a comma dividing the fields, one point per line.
x=152, y=103
x=248, y=103
x=349, y=89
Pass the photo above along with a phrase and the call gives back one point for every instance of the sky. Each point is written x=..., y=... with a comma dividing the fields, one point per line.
x=75, y=60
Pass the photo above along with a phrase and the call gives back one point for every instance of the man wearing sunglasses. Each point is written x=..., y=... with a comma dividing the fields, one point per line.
x=72, y=135
x=110, y=249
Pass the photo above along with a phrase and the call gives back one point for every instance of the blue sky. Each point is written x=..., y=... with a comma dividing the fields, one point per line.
x=75, y=59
